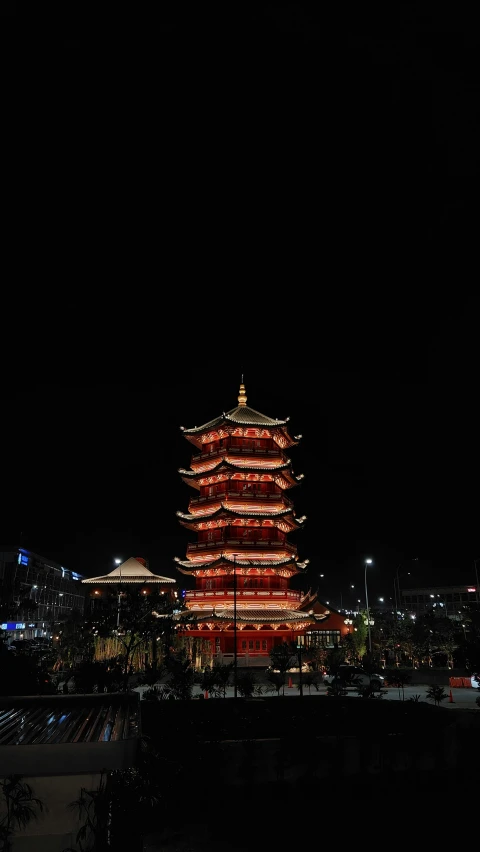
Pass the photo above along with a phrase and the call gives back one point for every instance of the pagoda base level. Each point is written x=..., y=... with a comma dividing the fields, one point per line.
x=207, y=649
x=244, y=661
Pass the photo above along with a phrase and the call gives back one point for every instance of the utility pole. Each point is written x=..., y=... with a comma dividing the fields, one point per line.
x=300, y=681
x=119, y=599
x=368, y=562
x=234, y=625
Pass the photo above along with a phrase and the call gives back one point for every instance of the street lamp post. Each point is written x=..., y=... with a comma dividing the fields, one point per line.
x=477, y=595
x=119, y=562
x=234, y=625
x=367, y=563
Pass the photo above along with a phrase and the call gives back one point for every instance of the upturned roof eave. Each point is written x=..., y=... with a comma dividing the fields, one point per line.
x=241, y=415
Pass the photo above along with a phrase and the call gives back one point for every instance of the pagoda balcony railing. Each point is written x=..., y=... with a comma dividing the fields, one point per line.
x=244, y=495
x=224, y=546
x=267, y=594
x=238, y=451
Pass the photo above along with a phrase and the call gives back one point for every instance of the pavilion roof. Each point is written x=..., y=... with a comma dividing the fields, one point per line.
x=131, y=571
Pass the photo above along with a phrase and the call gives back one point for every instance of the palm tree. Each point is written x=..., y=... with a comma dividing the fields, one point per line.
x=246, y=683
x=277, y=679
x=222, y=676
x=311, y=679
x=20, y=807
x=436, y=693
x=398, y=678
x=181, y=674
x=283, y=658
x=207, y=680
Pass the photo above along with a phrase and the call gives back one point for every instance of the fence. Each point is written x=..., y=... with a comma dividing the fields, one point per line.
x=461, y=681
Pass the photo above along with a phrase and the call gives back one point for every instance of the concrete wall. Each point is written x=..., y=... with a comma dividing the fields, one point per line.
x=56, y=829
x=77, y=758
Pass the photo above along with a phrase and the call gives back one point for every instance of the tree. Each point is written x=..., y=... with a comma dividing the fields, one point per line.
x=21, y=675
x=311, y=679
x=335, y=659
x=444, y=637
x=317, y=656
x=398, y=678
x=118, y=813
x=359, y=635
x=181, y=674
x=282, y=658
x=436, y=693
x=19, y=808
x=207, y=680
x=277, y=680
x=143, y=619
x=246, y=683
x=222, y=676
x=336, y=689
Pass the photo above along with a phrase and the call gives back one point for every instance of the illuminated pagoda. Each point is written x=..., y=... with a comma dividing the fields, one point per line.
x=242, y=559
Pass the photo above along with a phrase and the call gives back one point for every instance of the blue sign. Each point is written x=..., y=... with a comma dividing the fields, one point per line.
x=12, y=625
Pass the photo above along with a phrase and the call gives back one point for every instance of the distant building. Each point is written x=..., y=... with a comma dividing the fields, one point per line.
x=330, y=626
x=452, y=601
x=35, y=593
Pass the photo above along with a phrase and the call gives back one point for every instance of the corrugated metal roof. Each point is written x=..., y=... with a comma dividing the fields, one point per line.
x=32, y=723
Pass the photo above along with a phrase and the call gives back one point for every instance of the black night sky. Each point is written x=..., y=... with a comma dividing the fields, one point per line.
x=279, y=192
x=388, y=450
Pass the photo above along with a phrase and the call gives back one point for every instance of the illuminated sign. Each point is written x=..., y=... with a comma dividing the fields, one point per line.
x=75, y=576
x=471, y=590
x=12, y=625
x=22, y=559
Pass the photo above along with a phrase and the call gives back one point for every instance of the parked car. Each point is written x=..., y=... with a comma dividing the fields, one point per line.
x=21, y=645
x=351, y=677
x=475, y=680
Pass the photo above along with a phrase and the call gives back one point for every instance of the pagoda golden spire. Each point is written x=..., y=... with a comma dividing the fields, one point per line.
x=242, y=396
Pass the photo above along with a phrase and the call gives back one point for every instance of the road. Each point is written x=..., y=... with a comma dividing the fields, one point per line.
x=463, y=698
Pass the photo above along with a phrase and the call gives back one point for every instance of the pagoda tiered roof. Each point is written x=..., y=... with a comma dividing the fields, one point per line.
x=224, y=511
x=187, y=566
x=242, y=416
x=289, y=478
x=250, y=615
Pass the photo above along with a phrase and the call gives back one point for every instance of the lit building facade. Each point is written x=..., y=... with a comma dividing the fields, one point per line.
x=36, y=593
x=451, y=601
x=242, y=557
